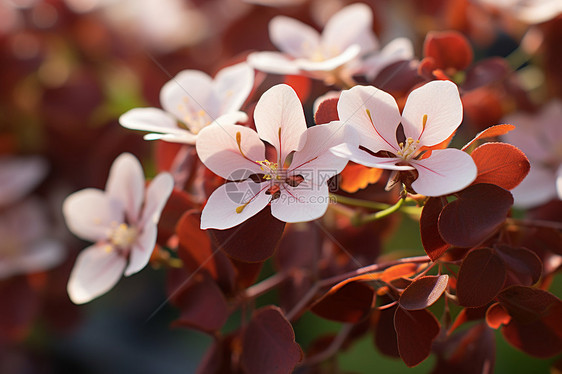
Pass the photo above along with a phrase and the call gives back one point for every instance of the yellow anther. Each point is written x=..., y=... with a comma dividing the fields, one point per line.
x=201, y=113
x=239, y=142
x=424, y=121
x=240, y=209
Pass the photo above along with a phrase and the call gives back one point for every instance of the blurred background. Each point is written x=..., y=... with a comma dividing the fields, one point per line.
x=70, y=68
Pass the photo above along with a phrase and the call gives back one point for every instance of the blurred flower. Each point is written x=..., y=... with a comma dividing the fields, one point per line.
x=347, y=46
x=121, y=220
x=18, y=176
x=529, y=11
x=539, y=136
x=431, y=115
x=294, y=183
x=196, y=100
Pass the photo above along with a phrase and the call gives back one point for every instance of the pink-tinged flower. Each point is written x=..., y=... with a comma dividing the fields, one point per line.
x=26, y=245
x=121, y=221
x=431, y=114
x=346, y=47
x=293, y=181
x=18, y=176
x=539, y=136
x=528, y=11
x=194, y=100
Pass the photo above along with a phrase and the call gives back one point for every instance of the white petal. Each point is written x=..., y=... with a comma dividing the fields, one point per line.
x=399, y=49
x=272, y=62
x=315, y=156
x=444, y=172
x=293, y=37
x=38, y=256
x=218, y=149
x=538, y=187
x=559, y=182
x=187, y=94
x=303, y=203
x=90, y=214
x=151, y=119
x=187, y=138
x=441, y=103
x=18, y=176
x=357, y=155
x=95, y=272
x=126, y=184
x=351, y=25
x=224, y=207
x=157, y=195
x=142, y=249
x=280, y=121
x=231, y=87
x=374, y=114
x=330, y=64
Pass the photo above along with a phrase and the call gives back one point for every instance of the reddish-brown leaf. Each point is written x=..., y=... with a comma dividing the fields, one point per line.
x=481, y=278
x=327, y=111
x=415, y=331
x=524, y=266
x=202, y=306
x=475, y=215
x=178, y=203
x=496, y=316
x=268, y=344
x=356, y=177
x=350, y=303
x=385, y=335
x=300, y=84
x=19, y=305
x=398, y=271
x=449, y=49
x=535, y=326
x=467, y=315
x=254, y=240
x=432, y=242
x=490, y=132
x=501, y=164
x=423, y=292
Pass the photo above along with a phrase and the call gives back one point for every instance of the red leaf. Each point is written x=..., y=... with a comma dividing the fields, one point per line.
x=327, y=111
x=497, y=316
x=398, y=271
x=481, y=277
x=475, y=215
x=490, y=132
x=350, y=303
x=356, y=177
x=535, y=326
x=178, y=203
x=467, y=315
x=300, y=84
x=432, y=242
x=385, y=335
x=415, y=331
x=501, y=164
x=202, y=306
x=449, y=49
x=254, y=240
x=268, y=345
x=523, y=265
x=423, y=292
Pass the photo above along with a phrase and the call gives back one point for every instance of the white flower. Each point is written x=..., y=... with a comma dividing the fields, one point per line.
x=529, y=11
x=121, y=221
x=347, y=46
x=293, y=181
x=431, y=114
x=196, y=101
x=539, y=136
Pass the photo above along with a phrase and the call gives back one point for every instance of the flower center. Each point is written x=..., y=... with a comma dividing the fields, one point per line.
x=408, y=148
x=272, y=171
x=194, y=120
x=123, y=236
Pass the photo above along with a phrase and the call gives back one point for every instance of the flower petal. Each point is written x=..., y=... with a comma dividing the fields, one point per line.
x=399, y=49
x=97, y=269
x=157, y=195
x=272, y=62
x=142, y=249
x=18, y=176
x=293, y=37
x=89, y=213
x=280, y=121
x=441, y=103
x=351, y=25
x=231, y=87
x=355, y=154
x=315, y=156
x=187, y=94
x=303, y=203
x=444, y=172
x=330, y=64
x=126, y=184
x=538, y=187
x=374, y=114
x=151, y=119
x=218, y=149
x=233, y=203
